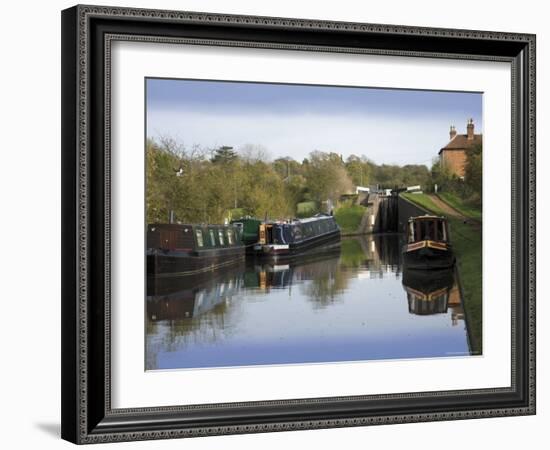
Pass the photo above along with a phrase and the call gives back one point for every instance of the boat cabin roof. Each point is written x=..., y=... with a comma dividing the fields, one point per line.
x=299, y=221
x=188, y=236
x=427, y=227
x=427, y=217
x=313, y=219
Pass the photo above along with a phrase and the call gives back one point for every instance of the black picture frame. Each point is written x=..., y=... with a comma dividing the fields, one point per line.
x=87, y=416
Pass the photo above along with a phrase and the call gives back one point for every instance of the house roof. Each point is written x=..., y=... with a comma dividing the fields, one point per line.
x=461, y=142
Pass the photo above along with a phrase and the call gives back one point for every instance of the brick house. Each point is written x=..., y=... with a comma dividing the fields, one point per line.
x=453, y=155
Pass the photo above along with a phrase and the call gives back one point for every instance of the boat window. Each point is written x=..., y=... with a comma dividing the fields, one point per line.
x=428, y=230
x=287, y=233
x=220, y=235
x=230, y=236
x=440, y=230
x=200, y=241
x=278, y=235
x=212, y=238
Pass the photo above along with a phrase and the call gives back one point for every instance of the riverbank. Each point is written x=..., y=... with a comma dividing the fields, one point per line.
x=349, y=219
x=466, y=240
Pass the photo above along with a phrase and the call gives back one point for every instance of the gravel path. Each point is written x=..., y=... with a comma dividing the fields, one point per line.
x=450, y=211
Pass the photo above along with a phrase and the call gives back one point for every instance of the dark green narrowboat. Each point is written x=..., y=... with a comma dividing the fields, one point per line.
x=249, y=231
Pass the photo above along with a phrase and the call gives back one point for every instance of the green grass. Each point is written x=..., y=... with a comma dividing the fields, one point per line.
x=459, y=204
x=466, y=241
x=306, y=209
x=349, y=218
x=424, y=201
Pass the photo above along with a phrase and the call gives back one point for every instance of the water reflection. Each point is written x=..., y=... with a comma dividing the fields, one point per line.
x=351, y=304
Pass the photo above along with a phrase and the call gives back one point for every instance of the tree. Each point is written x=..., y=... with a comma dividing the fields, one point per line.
x=441, y=175
x=327, y=178
x=224, y=155
x=473, y=172
x=252, y=153
x=358, y=170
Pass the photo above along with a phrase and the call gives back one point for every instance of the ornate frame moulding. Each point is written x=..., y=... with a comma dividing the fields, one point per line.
x=87, y=35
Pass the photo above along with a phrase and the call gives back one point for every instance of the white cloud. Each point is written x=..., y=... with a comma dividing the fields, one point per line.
x=383, y=139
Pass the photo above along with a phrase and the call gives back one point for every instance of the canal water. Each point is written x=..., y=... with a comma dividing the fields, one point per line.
x=353, y=304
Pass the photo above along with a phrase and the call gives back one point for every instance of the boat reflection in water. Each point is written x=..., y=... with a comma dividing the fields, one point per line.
x=168, y=301
x=433, y=292
x=351, y=304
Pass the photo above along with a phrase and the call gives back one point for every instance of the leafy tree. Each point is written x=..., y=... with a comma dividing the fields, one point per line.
x=473, y=173
x=201, y=185
x=327, y=177
x=359, y=170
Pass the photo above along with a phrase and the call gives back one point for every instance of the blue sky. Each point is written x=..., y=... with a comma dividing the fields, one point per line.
x=386, y=125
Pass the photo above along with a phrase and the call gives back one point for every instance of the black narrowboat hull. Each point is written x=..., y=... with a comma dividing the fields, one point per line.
x=173, y=263
x=321, y=243
x=428, y=281
x=428, y=258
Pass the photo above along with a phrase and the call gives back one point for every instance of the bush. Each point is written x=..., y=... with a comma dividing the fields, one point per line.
x=306, y=209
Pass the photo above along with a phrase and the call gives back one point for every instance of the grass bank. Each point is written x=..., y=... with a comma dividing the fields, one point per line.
x=466, y=240
x=458, y=204
x=349, y=218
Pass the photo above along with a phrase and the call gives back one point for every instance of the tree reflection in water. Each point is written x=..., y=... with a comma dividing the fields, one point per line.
x=267, y=313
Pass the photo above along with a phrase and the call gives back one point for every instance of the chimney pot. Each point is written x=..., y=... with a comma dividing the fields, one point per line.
x=470, y=129
x=452, y=132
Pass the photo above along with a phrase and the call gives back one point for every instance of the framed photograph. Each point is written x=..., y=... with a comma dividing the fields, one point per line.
x=278, y=224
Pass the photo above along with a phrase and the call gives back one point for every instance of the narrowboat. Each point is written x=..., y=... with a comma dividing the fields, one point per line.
x=182, y=250
x=428, y=245
x=248, y=231
x=287, y=240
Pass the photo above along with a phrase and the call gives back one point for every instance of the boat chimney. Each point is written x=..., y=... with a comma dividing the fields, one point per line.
x=171, y=216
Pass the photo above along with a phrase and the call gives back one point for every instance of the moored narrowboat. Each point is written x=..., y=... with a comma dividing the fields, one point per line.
x=181, y=250
x=428, y=245
x=284, y=240
x=248, y=229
